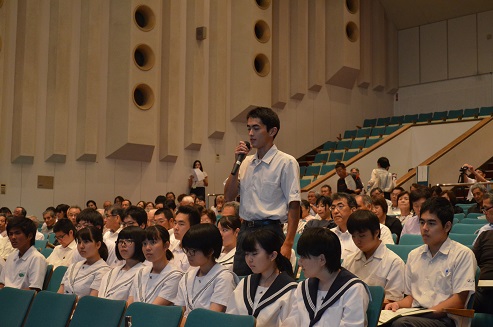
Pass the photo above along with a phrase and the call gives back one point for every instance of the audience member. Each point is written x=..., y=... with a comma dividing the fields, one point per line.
x=229, y=227
x=113, y=224
x=440, y=273
x=435, y=191
x=382, y=178
x=141, y=204
x=186, y=217
x=343, y=205
x=135, y=216
x=478, y=191
x=126, y=204
x=312, y=199
x=118, y=200
x=394, y=207
x=364, y=202
x=72, y=213
x=218, y=205
x=323, y=213
x=380, y=209
x=208, y=217
x=63, y=253
x=156, y=284
x=19, y=212
x=267, y=294
x=3, y=225
x=377, y=192
x=488, y=212
x=346, y=182
x=149, y=206
x=450, y=195
x=198, y=182
x=483, y=250
x=374, y=263
x=418, y=197
x=61, y=211
x=91, y=204
x=404, y=204
x=49, y=218
x=331, y=296
x=106, y=204
x=326, y=190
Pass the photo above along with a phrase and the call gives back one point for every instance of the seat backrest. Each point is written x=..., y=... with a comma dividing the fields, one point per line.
x=56, y=279
x=375, y=306
x=326, y=168
x=97, y=312
x=40, y=244
x=46, y=252
x=474, y=215
x=144, y=314
x=402, y=250
x=474, y=221
x=411, y=239
x=58, y=306
x=464, y=239
x=465, y=228
x=206, y=318
x=396, y=120
x=49, y=272
x=14, y=305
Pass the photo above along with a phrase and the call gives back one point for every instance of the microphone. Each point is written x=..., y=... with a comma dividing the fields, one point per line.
x=240, y=159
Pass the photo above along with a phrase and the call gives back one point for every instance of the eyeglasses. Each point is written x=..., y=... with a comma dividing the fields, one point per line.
x=339, y=207
x=125, y=242
x=486, y=209
x=60, y=237
x=189, y=252
x=107, y=216
x=130, y=223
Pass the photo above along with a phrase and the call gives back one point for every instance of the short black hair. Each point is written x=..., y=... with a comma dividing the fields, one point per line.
x=23, y=211
x=137, y=235
x=26, y=225
x=421, y=192
x=316, y=241
x=380, y=201
x=230, y=222
x=137, y=213
x=325, y=200
x=65, y=226
x=91, y=201
x=160, y=199
x=165, y=211
x=340, y=165
x=203, y=237
x=362, y=220
x=440, y=207
x=191, y=212
x=383, y=162
x=119, y=198
x=267, y=116
x=117, y=211
x=398, y=188
x=62, y=208
x=93, y=234
x=91, y=216
x=351, y=201
x=170, y=204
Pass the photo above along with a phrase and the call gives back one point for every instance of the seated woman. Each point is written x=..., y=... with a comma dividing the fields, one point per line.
x=323, y=211
x=404, y=204
x=156, y=284
x=374, y=263
x=116, y=284
x=267, y=294
x=380, y=209
x=304, y=217
x=229, y=227
x=84, y=277
x=206, y=284
x=207, y=216
x=450, y=195
x=331, y=296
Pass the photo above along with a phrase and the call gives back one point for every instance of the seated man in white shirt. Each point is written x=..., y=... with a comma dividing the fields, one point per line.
x=186, y=217
x=25, y=267
x=488, y=212
x=439, y=274
x=113, y=223
x=374, y=263
x=343, y=205
x=63, y=254
x=50, y=219
x=3, y=225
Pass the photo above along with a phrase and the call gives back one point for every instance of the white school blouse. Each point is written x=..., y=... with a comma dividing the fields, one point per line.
x=147, y=287
x=199, y=292
x=80, y=278
x=27, y=271
x=116, y=283
x=271, y=306
x=226, y=259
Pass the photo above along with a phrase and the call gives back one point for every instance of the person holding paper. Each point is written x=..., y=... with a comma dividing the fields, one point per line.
x=198, y=179
x=440, y=274
x=382, y=178
x=347, y=183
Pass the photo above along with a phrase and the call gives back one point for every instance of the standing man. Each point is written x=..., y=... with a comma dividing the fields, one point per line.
x=346, y=182
x=268, y=184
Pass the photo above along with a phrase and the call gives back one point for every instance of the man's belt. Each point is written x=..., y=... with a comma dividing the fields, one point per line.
x=260, y=223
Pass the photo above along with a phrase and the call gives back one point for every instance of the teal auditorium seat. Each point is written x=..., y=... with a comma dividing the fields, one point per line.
x=482, y=320
x=474, y=221
x=383, y=121
x=46, y=252
x=465, y=228
x=459, y=216
x=350, y=134
x=335, y=156
x=370, y=142
x=93, y=311
x=369, y=122
x=486, y=111
x=471, y=113
x=145, y=314
x=10, y=317
x=410, y=119
x=329, y=146
x=302, y=170
x=377, y=294
x=411, y=239
x=439, y=116
x=40, y=244
x=464, y=239
x=305, y=182
x=391, y=129
x=326, y=168
x=56, y=279
x=455, y=114
x=358, y=143
x=378, y=131
x=321, y=157
x=423, y=118
x=474, y=215
x=396, y=120
x=208, y=318
x=49, y=272
x=350, y=154
x=343, y=144
x=364, y=132
x=52, y=309
x=312, y=170
x=402, y=250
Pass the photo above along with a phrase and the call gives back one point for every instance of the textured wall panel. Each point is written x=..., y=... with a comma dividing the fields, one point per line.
x=316, y=44
x=378, y=55
x=433, y=52
x=280, y=54
x=364, y=77
x=298, y=19
x=392, y=72
x=462, y=47
x=251, y=60
x=409, y=57
x=485, y=42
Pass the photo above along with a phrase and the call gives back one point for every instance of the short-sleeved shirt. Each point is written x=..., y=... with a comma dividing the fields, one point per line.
x=432, y=280
x=268, y=185
x=199, y=292
x=147, y=286
x=27, y=271
x=412, y=226
x=80, y=278
x=62, y=256
x=384, y=268
x=117, y=283
x=347, y=244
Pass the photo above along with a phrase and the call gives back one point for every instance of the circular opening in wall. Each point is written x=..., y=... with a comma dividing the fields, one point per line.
x=144, y=18
x=144, y=57
x=352, y=6
x=261, y=65
x=263, y=4
x=143, y=96
x=352, y=32
x=262, y=31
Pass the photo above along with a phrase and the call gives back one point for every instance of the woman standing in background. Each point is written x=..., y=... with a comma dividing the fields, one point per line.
x=197, y=186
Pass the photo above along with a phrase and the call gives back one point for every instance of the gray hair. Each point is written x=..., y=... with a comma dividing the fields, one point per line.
x=479, y=186
x=234, y=205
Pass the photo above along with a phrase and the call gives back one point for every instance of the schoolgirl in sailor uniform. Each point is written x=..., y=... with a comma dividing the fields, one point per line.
x=156, y=284
x=116, y=284
x=229, y=227
x=84, y=277
x=206, y=284
x=331, y=296
x=267, y=294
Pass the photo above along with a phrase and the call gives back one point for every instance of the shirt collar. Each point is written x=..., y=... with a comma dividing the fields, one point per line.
x=378, y=254
x=444, y=249
x=27, y=253
x=72, y=245
x=268, y=156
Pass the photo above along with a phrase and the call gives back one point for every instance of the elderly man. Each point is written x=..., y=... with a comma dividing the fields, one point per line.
x=478, y=191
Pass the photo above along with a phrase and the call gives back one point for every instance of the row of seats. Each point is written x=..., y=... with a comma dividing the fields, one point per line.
x=471, y=113
x=31, y=310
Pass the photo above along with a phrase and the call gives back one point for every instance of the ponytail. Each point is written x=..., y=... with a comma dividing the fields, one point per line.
x=284, y=265
x=103, y=251
x=169, y=254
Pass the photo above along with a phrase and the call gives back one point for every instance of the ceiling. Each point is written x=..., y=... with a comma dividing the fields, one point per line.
x=411, y=13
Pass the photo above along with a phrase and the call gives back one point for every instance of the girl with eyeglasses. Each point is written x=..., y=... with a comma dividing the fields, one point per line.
x=116, y=284
x=267, y=294
x=207, y=284
x=156, y=284
x=84, y=277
